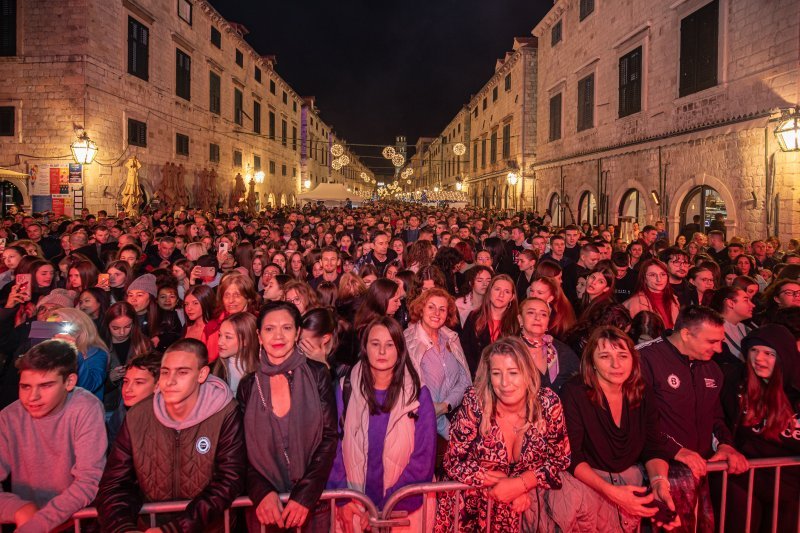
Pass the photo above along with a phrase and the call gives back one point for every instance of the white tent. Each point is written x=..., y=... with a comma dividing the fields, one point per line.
x=331, y=194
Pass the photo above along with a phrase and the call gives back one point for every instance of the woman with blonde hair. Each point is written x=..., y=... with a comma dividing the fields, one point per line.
x=80, y=330
x=238, y=349
x=510, y=438
x=236, y=293
x=194, y=250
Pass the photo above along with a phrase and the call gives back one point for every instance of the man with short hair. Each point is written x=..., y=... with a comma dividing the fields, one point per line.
x=187, y=444
x=165, y=254
x=716, y=247
x=588, y=259
x=735, y=307
x=571, y=235
x=648, y=237
x=380, y=256
x=686, y=384
x=677, y=262
x=411, y=233
x=626, y=276
x=516, y=243
x=329, y=259
x=52, y=441
x=558, y=251
x=735, y=249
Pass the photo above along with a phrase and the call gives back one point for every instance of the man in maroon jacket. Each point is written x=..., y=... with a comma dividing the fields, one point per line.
x=187, y=443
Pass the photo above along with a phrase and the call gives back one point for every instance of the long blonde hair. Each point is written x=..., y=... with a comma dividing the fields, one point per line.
x=84, y=331
x=516, y=349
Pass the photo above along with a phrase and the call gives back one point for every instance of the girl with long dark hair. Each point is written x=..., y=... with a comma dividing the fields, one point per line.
x=654, y=293
x=381, y=299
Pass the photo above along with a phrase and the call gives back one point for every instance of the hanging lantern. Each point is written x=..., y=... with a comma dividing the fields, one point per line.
x=788, y=132
x=84, y=150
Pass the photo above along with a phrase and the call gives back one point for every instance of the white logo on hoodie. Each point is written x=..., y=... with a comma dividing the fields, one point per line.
x=203, y=445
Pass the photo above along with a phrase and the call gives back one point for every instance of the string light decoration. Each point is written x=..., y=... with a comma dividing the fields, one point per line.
x=388, y=152
x=459, y=149
x=398, y=160
x=344, y=160
x=336, y=164
x=408, y=182
x=364, y=176
x=337, y=150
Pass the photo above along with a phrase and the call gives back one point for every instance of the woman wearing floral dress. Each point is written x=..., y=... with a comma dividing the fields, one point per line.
x=508, y=441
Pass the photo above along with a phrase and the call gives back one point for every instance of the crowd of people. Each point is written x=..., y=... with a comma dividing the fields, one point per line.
x=573, y=380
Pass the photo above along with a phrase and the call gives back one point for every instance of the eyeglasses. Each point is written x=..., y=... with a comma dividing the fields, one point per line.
x=679, y=262
x=294, y=301
x=793, y=294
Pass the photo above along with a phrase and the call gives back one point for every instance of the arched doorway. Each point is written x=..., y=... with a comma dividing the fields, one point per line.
x=283, y=199
x=587, y=208
x=706, y=202
x=506, y=199
x=485, y=200
x=271, y=201
x=554, y=206
x=632, y=205
x=494, y=196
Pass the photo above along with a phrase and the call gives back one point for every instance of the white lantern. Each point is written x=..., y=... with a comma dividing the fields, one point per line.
x=788, y=132
x=84, y=150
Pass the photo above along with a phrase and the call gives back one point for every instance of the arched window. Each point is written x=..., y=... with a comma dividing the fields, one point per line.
x=494, y=197
x=705, y=202
x=587, y=209
x=554, y=205
x=632, y=206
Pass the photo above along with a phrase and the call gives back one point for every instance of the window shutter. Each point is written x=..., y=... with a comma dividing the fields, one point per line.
x=8, y=27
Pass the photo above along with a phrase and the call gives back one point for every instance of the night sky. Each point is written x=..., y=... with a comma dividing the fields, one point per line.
x=380, y=69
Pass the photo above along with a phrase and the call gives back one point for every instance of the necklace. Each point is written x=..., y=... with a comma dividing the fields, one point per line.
x=516, y=429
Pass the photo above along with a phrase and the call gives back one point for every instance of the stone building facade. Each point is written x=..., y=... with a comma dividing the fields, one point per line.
x=165, y=81
x=498, y=128
x=664, y=110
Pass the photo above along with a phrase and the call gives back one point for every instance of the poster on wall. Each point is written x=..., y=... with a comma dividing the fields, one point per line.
x=51, y=186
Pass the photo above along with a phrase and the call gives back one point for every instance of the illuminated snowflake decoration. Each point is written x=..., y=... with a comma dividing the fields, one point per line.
x=337, y=150
x=388, y=152
x=344, y=160
x=398, y=160
x=459, y=149
x=336, y=164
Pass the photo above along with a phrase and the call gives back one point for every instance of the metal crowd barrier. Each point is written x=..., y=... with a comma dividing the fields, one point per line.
x=387, y=518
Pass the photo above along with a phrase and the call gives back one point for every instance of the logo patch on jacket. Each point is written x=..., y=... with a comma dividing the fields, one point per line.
x=673, y=381
x=203, y=445
x=710, y=383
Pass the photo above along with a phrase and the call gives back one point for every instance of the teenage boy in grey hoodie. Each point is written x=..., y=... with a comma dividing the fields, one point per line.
x=52, y=441
x=185, y=444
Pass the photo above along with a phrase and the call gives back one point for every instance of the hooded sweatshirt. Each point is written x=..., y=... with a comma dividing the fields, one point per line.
x=55, y=461
x=213, y=396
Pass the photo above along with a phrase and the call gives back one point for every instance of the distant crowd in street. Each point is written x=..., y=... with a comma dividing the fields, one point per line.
x=578, y=378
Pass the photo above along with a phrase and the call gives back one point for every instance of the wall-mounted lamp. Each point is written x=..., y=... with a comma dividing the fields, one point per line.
x=788, y=130
x=656, y=197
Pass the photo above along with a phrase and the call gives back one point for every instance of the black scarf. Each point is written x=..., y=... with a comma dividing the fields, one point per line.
x=283, y=468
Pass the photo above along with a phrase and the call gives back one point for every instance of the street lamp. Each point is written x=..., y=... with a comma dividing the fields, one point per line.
x=459, y=184
x=307, y=184
x=84, y=149
x=259, y=176
x=512, y=178
x=788, y=131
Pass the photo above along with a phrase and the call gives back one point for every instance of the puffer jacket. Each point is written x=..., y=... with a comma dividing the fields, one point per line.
x=204, y=463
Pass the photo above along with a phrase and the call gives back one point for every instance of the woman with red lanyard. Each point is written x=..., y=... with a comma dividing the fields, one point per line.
x=495, y=318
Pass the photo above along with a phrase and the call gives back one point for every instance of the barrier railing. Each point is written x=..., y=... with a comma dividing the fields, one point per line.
x=388, y=518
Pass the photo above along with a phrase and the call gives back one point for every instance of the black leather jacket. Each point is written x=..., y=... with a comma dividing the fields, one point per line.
x=308, y=490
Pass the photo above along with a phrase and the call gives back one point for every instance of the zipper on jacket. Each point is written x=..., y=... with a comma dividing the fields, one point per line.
x=177, y=470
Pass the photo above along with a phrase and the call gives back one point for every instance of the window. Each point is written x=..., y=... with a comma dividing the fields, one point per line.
x=256, y=117
x=494, y=94
x=257, y=74
x=239, y=58
x=586, y=8
x=483, y=152
x=475, y=112
x=630, y=83
x=213, y=153
x=185, y=11
x=256, y=163
x=699, y=33
x=272, y=86
x=284, y=133
x=8, y=27
x=183, y=75
x=285, y=97
x=7, y=119
x=138, y=39
x=237, y=106
x=555, y=117
x=137, y=133
x=294, y=138
x=294, y=106
x=508, y=82
x=214, y=93
x=586, y=103
x=181, y=144
x=475, y=156
x=272, y=125
x=485, y=100
x=283, y=170
x=237, y=158
x=493, y=148
x=506, y=141
x=272, y=167
x=216, y=37
x=555, y=34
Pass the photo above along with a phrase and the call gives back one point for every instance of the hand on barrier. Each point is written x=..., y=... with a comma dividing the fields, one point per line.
x=348, y=514
x=294, y=514
x=270, y=510
x=693, y=460
x=737, y=463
